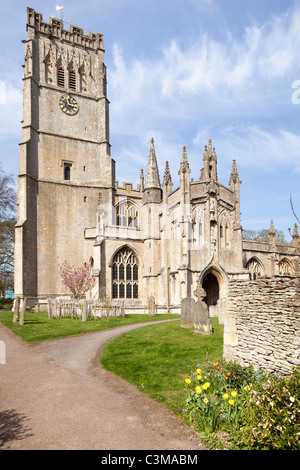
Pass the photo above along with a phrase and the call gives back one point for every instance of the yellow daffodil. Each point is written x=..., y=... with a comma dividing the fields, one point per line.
x=225, y=396
x=199, y=377
x=198, y=389
x=187, y=380
x=231, y=402
x=206, y=385
x=233, y=394
x=198, y=371
x=205, y=400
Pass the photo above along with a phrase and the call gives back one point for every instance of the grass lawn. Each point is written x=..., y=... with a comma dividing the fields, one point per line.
x=156, y=359
x=38, y=327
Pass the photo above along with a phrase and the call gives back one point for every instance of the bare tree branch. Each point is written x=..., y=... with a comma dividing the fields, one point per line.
x=291, y=201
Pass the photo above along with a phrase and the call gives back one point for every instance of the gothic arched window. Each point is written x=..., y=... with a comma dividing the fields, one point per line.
x=285, y=268
x=125, y=275
x=127, y=215
x=254, y=269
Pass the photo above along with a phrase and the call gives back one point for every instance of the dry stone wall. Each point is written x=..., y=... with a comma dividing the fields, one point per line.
x=262, y=323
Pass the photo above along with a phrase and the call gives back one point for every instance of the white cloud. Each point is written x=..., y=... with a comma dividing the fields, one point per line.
x=261, y=148
x=210, y=67
x=223, y=87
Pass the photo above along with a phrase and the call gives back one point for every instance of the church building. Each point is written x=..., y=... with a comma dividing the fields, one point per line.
x=152, y=240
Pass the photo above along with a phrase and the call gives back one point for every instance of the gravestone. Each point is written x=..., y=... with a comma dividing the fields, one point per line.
x=152, y=309
x=23, y=311
x=195, y=314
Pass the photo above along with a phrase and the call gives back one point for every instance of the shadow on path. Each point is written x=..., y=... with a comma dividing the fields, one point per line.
x=13, y=427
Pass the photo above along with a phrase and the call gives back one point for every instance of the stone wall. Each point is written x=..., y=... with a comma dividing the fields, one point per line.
x=262, y=323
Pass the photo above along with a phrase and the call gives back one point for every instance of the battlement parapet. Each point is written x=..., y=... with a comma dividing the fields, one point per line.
x=55, y=29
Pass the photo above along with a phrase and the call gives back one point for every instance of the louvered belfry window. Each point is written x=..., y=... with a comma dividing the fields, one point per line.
x=72, y=80
x=61, y=77
x=125, y=275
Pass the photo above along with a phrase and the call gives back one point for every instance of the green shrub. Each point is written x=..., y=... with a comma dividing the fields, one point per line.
x=276, y=413
x=4, y=301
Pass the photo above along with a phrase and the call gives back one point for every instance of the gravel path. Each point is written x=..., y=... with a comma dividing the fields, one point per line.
x=55, y=395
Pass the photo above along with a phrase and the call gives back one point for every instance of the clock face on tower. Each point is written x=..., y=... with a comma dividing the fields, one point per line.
x=68, y=105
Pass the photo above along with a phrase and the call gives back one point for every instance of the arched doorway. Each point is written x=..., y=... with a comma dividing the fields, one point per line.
x=214, y=282
x=211, y=286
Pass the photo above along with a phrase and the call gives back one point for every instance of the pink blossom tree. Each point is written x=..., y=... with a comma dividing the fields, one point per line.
x=78, y=280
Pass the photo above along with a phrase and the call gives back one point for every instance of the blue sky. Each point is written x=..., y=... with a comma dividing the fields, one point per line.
x=184, y=72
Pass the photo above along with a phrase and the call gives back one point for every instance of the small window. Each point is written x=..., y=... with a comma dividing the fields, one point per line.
x=61, y=77
x=67, y=173
x=127, y=215
x=72, y=80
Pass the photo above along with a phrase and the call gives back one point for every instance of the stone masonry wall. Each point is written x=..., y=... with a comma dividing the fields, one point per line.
x=262, y=323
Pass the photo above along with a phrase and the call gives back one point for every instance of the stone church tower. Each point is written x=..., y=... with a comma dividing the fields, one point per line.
x=152, y=241
x=64, y=154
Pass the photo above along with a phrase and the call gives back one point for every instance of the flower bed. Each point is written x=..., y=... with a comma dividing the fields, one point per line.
x=255, y=409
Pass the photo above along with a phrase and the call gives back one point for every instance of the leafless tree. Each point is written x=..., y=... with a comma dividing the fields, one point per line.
x=294, y=211
x=295, y=215
x=8, y=199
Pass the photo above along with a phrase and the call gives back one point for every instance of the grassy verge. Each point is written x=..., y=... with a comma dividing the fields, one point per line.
x=157, y=359
x=38, y=327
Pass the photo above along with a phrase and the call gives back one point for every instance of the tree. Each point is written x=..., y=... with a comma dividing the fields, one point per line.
x=7, y=242
x=8, y=200
x=78, y=280
x=8, y=196
x=263, y=235
x=296, y=217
